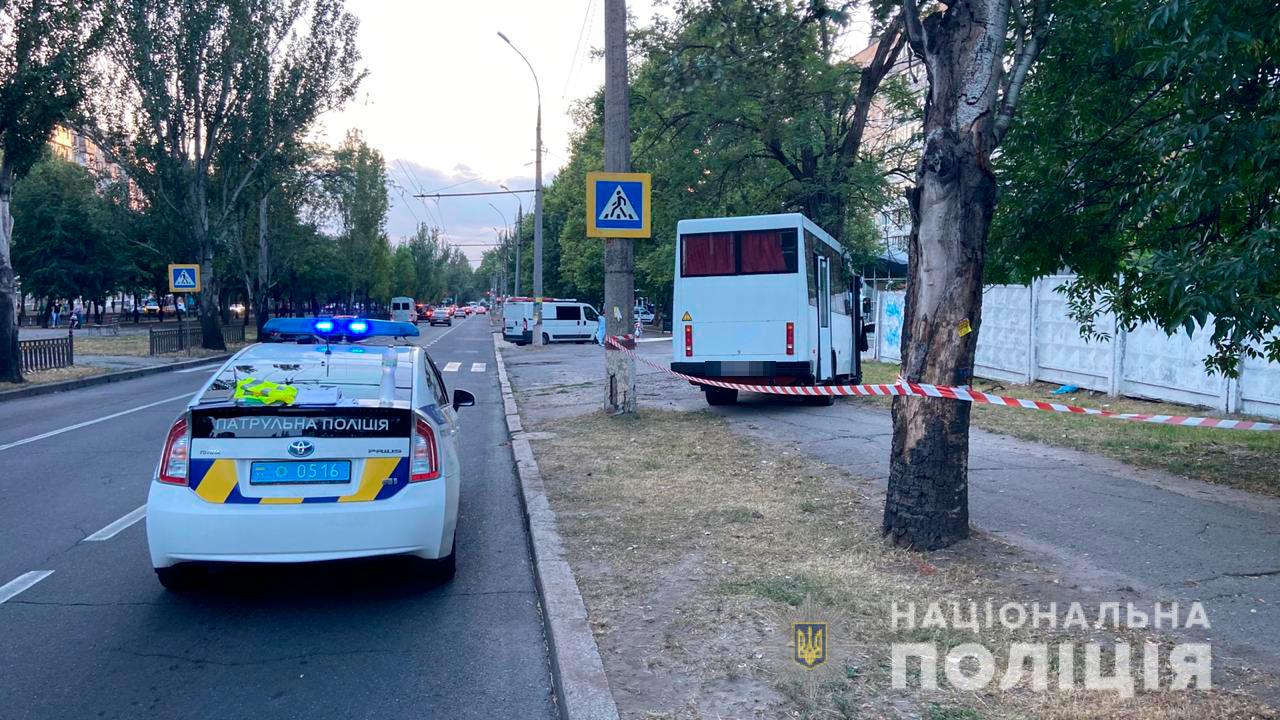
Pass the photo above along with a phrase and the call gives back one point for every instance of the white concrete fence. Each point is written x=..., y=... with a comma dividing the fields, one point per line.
x=1027, y=336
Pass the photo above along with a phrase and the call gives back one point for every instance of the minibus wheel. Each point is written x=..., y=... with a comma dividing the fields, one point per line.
x=720, y=396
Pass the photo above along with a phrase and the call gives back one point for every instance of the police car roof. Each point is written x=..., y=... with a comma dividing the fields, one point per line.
x=338, y=352
x=363, y=360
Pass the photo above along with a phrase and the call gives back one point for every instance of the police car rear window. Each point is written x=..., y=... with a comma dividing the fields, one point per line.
x=354, y=381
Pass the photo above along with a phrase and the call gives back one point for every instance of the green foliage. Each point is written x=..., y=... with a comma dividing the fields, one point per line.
x=45, y=50
x=737, y=108
x=1148, y=161
x=357, y=187
x=70, y=242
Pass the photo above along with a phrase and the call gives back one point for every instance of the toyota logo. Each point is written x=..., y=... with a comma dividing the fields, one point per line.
x=301, y=448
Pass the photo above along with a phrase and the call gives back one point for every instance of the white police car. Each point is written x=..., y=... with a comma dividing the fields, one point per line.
x=322, y=446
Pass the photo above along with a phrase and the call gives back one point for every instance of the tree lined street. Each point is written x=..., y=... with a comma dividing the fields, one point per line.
x=811, y=198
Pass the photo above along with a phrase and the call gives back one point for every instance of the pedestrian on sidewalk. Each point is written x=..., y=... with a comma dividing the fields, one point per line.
x=54, y=312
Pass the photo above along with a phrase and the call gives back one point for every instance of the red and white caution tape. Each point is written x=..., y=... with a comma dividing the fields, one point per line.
x=952, y=393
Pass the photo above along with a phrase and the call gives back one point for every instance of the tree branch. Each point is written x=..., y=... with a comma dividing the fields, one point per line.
x=916, y=35
x=1027, y=53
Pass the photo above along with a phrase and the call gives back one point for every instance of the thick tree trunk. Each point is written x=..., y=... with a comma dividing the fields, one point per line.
x=927, y=504
x=210, y=321
x=10, y=359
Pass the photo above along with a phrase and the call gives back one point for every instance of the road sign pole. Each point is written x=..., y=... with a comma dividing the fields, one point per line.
x=619, y=259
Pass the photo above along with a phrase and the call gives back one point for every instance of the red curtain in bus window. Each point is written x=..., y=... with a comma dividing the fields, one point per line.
x=707, y=254
x=762, y=252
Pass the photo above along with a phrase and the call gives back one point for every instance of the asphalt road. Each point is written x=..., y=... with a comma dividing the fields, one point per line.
x=99, y=638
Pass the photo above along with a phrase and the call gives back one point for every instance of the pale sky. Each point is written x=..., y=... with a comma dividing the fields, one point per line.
x=448, y=103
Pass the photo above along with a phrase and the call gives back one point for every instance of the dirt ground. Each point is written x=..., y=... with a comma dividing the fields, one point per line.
x=696, y=548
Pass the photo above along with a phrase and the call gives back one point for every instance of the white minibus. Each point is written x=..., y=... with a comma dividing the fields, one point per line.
x=764, y=300
x=562, y=321
x=402, y=310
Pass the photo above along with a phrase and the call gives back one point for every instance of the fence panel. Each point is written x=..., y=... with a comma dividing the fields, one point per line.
x=174, y=339
x=1004, y=342
x=1062, y=356
x=889, y=325
x=233, y=334
x=1260, y=387
x=1171, y=367
x=46, y=353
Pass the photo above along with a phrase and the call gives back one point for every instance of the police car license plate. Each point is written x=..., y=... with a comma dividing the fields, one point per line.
x=288, y=473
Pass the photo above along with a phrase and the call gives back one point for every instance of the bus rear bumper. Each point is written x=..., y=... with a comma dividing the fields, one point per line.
x=786, y=372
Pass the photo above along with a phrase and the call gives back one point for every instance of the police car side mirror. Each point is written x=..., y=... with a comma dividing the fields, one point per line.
x=463, y=398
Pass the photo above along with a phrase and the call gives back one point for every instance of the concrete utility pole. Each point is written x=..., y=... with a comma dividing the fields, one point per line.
x=619, y=258
x=537, y=205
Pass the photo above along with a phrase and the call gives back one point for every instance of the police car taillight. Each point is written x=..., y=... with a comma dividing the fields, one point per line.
x=174, y=461
x=425, y=463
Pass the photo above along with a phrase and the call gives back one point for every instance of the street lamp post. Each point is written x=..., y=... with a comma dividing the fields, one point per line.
x=506, y=225
x=537, y=204
x=520, y=234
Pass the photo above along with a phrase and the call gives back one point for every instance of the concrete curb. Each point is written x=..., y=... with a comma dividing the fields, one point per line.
x=582, y=689
x=93, y=380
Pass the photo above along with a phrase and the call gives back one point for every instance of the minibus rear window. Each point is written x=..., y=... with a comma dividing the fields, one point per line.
x=752, y=252
x=707, y=254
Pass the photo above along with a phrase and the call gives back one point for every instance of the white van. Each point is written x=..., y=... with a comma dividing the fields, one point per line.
x=764, y=300
x=402, y=310
x=562, y=321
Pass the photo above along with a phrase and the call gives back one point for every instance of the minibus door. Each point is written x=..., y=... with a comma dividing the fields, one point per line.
x=823, y=270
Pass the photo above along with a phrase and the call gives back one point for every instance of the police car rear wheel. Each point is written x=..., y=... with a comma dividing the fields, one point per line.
x=442, y=569
x=181, y=578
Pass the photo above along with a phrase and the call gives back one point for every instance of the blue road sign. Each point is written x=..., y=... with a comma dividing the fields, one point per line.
x=184, y=278
x=618, y=205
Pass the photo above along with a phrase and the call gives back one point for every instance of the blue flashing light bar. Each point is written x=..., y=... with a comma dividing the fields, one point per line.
x=339, y=328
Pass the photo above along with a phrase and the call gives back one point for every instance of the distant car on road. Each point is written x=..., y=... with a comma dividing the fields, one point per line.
x=562, y=321
x=291, y=455
x=403, y=310
x=439, y=316
x=151, y=307
x=644, y=315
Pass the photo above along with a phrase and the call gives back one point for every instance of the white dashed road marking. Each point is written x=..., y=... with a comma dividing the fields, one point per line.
x=21, y=583
x=118, y=526
x=87, y=423
x=451, y=367
x=477, y=367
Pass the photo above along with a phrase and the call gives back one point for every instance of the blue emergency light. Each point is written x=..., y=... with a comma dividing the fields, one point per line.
x=339, y=328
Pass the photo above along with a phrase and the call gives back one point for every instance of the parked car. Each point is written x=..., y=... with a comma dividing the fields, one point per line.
x=644, y=314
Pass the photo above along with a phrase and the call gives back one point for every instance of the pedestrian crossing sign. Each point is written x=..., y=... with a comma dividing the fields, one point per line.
x=618, y=205
x=184, y=278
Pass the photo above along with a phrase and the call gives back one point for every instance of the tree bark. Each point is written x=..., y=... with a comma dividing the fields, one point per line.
x=927, y=503
x=261, y=309
x=10, y=359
